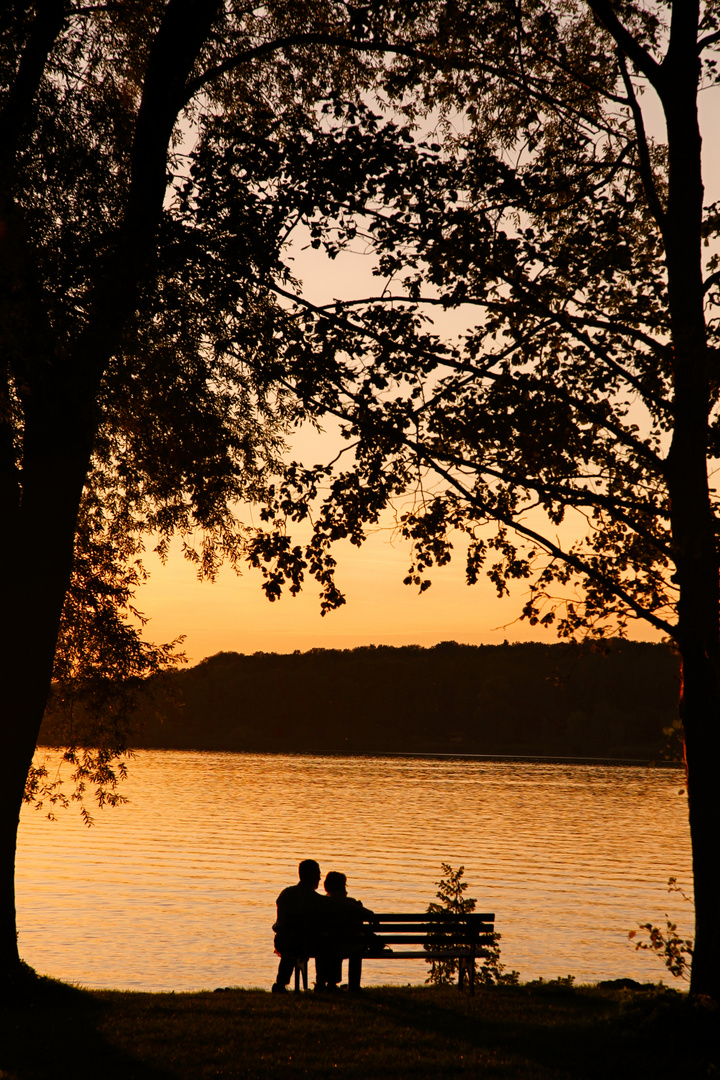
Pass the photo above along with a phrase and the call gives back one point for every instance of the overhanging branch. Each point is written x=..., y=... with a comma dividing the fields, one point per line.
x=574, y=561
x=578, y=564
x=646, y=172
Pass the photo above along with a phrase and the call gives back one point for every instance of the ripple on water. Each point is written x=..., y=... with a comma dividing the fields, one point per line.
x=176, y=890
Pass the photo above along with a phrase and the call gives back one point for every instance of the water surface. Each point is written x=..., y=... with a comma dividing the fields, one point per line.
x=176, y=890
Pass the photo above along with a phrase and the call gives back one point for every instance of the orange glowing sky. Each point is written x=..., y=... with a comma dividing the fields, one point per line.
x=233, y=613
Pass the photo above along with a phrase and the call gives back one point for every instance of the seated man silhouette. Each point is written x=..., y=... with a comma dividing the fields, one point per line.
x=346, y=935
x=300, y=926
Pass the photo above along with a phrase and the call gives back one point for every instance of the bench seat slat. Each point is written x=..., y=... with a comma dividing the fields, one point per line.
x=439, y=917
x=437, y=940
x=420, y=939
x=403, y=939
x=416, y=954
x=432, y=928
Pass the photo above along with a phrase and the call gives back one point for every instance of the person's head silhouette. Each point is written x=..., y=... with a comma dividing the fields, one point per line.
x=309, y=873
x=335, y=883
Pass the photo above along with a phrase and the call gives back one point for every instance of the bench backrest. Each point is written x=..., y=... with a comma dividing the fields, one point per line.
x=403, y=928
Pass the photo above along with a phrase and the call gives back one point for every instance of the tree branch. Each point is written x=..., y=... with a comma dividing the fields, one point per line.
x=579, y=499
x=580, y=565
x=568, y=321
x=18, y=109
x=446, y=360
x=709, y=39
x=495, y=512
x=711, y=282
x=449, y=62
x=639, y=56
x=431, y=459
x=333, y=41
x=175, y=48
x=646, y=173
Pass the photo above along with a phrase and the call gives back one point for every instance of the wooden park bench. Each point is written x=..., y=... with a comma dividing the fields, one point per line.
x=437, y=936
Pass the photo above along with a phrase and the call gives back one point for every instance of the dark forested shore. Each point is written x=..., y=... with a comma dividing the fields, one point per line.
x=617, y=701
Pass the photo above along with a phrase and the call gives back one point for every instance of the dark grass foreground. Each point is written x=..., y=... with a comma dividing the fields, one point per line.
x=537, y=1031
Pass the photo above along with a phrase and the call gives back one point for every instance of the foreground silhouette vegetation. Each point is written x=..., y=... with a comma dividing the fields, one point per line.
x=669, y=946
x=532, y=1032
x=451, y=897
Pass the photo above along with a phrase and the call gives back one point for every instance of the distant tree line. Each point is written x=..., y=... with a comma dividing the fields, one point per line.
x=617, y=700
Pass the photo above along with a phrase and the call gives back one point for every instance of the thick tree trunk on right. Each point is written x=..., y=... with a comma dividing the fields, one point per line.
x=701, y=718
x=691, y=513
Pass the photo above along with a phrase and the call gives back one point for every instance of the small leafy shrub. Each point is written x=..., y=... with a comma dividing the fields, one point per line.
x=562, y=982
x=451, y=897
x=675, y=951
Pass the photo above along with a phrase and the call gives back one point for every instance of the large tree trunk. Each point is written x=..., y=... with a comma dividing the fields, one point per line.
x=701, y=717
x=40, y=497
x=692, y=520
x=34, y=587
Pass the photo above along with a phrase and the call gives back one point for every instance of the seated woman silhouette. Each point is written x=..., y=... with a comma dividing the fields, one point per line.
x=345, y=933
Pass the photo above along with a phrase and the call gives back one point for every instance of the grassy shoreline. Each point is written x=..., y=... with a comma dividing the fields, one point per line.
x=531, y=1032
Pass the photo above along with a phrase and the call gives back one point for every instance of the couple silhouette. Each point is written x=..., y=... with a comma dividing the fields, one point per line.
x=328, y=927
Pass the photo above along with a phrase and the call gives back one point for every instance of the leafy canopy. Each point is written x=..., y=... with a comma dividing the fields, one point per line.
x=139, y=319
x=514, y=181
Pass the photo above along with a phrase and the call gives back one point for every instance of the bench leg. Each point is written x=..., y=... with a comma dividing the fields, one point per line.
x=301, y=965
x=466, y=966
x=354, y=972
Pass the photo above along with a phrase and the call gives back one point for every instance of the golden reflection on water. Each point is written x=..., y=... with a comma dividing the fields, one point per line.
x=176, y=890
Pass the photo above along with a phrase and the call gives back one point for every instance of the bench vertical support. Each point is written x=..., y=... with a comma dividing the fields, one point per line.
x=466, y=965
x=354, y=971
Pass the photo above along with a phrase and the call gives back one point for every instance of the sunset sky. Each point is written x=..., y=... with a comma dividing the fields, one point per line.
x=233, y=614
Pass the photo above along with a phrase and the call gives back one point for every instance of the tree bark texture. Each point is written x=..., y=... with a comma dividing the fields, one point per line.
x=34, y=586
x=40, y=497
x=692, y=520
x=676, y=81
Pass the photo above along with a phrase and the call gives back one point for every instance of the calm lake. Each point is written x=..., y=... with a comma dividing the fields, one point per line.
x=176, y=890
